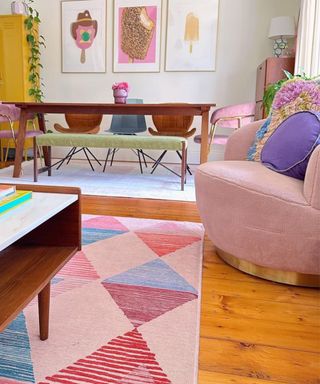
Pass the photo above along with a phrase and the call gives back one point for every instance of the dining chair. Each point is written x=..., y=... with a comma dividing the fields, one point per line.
x=79, y=123
x=171, y=125
x=233, y=117
x=127, y=125
x=9, y=113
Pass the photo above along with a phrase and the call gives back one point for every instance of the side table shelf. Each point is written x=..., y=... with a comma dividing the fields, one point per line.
x=49, y=240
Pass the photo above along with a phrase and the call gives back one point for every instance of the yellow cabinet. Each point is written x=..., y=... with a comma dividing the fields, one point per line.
x=14, y=65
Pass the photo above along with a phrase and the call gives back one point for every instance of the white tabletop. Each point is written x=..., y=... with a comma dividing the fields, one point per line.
x=22, y=219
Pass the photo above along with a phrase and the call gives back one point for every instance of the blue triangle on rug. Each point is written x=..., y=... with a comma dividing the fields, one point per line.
x=56, y=280
x=15, y=356
x=92, y=235
x=155, y=274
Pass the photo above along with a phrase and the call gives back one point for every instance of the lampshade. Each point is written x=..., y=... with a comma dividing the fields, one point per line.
x=282, y=26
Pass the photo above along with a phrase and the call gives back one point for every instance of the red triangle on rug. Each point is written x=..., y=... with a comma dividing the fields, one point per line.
x=104, y=222
x=79, y=266
x=163, y=244
x=143, y=304
x=125, y=359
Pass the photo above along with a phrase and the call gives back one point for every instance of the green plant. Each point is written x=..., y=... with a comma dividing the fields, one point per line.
x=270, y=93
x=273, y=88
x=35, y=41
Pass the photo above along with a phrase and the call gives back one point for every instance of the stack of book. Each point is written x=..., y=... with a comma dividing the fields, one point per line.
x=10, y=197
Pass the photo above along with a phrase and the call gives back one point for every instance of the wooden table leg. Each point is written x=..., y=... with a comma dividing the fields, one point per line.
x=44, y=306
x=20, y=143
x=204, y=137
x=42, y=127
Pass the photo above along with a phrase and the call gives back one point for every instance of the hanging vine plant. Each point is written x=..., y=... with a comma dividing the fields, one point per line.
x=35, y=41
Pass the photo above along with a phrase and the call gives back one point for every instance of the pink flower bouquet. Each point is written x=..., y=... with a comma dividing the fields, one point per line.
x=122, y=85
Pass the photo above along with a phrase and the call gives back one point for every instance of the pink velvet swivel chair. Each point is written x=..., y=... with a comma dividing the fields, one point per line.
x=260, y=221
x=9, y=113
x=233, y=117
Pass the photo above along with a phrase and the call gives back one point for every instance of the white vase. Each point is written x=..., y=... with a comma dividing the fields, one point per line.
x=19, y=8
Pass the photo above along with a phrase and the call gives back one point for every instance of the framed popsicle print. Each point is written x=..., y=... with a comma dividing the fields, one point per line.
x=83, y=36
x=137, y=35
x=191, y=35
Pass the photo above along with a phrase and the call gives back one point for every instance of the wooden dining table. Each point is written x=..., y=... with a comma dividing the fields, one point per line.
x=40, y=109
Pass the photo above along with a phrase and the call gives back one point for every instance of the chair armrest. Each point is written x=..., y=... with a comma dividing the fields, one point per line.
x=240, y=141
x=311, y=187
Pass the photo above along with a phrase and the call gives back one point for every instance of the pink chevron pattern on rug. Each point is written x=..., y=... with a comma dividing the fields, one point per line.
x=122, y=310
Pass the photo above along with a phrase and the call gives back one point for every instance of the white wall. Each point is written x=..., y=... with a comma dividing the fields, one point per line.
x=242, y=46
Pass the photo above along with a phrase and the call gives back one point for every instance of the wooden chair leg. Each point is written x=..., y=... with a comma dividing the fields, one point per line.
x=44, y=307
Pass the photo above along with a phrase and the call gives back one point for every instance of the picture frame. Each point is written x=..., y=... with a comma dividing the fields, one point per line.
x=83, y=36
x=137, y=35
x=191, y=38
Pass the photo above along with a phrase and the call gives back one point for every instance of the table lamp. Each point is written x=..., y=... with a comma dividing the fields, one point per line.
x=281, y=28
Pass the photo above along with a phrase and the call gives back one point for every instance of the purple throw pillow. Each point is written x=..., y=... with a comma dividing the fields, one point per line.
x=290, y=146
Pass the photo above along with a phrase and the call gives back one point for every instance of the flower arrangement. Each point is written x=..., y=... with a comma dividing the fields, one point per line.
x=122, y=85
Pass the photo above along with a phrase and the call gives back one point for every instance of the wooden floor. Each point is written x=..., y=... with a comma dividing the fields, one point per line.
x=252, y=331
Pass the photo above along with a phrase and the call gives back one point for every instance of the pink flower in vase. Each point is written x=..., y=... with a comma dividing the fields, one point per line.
x=120, y=92
x=122, y=85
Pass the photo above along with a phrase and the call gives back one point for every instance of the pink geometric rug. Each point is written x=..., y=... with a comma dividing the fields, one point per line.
x=124, y=310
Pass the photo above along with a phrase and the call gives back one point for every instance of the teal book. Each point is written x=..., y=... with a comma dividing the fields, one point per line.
x=14, y=200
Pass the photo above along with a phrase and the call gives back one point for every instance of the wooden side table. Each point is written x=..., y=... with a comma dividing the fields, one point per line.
x=37, y=239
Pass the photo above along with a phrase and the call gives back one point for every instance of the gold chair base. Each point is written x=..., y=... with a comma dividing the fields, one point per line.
x=285, y=277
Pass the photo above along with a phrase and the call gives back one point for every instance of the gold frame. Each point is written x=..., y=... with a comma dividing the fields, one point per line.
x=276, y=275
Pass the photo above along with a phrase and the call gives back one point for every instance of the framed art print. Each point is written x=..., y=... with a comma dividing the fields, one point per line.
x=137, y=35
x=83, y=36
x=191, y=35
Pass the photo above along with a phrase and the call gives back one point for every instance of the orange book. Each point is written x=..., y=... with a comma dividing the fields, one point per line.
x=6, y=190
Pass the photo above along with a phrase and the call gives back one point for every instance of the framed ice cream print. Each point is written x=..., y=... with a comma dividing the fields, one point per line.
x=83, y=36
x=137, y=35
x=191, y=35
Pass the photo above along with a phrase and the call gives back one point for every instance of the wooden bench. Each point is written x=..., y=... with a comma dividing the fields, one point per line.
x=138, y=142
